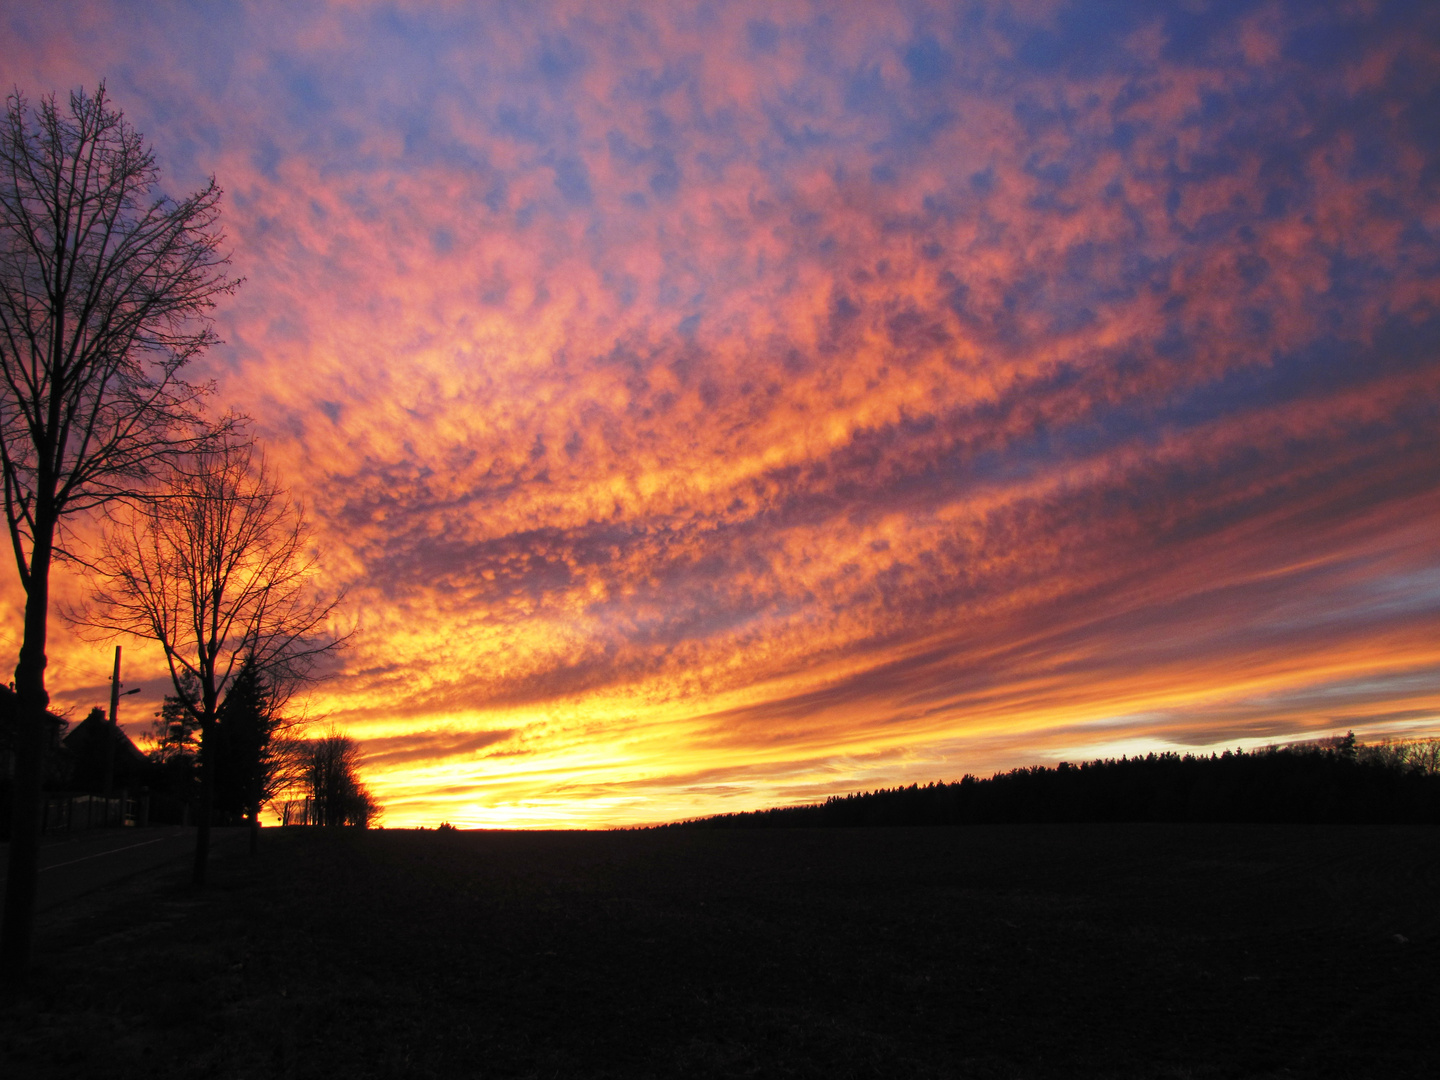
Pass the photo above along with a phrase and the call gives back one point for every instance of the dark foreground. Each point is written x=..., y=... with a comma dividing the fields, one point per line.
x=1111, y=950
x=100, y=860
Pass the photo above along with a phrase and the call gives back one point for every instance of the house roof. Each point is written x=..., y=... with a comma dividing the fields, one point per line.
x=92, y=732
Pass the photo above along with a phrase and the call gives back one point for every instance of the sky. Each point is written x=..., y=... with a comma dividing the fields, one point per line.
x=718, y=405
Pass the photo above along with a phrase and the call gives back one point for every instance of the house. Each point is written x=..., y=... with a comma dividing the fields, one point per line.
x=85, y=749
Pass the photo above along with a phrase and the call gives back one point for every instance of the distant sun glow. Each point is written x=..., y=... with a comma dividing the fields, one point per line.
x=713, y=406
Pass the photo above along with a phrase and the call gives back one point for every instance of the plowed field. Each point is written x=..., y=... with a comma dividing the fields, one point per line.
x=1107, y=950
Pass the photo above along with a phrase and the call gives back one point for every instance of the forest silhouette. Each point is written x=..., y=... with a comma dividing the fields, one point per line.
x=1343, y=782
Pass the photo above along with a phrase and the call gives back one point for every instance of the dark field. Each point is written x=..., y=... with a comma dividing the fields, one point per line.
x=1109, y=950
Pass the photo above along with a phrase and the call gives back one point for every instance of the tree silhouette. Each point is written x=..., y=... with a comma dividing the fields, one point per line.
x=329, y=772
x=104, y=292
x=219, y=570
x=175, y=732
x=175, y=750
x=250, y=763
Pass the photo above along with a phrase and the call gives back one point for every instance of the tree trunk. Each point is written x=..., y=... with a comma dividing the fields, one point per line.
x=207, y=800
x=33, y=740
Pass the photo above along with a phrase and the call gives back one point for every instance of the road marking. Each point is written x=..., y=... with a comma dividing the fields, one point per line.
x=98, y=854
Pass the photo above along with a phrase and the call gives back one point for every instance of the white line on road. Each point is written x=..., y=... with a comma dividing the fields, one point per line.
x=112, y=851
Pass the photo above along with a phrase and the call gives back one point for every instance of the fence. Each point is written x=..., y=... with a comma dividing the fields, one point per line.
x=75, y=811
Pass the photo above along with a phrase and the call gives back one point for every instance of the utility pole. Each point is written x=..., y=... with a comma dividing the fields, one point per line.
x=113, y=731
x=114, y=725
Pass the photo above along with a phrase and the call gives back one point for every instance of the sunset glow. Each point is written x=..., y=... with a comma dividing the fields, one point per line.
x=717, y=406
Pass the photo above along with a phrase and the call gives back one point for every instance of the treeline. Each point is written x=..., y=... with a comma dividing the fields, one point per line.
x=1341, y=781
x=258, y=760
x=324, y=785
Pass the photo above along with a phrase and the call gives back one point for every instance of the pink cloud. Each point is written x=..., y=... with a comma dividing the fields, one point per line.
x=677, y=385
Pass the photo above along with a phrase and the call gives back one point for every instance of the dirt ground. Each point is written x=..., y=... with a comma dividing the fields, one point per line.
x=1007, y=951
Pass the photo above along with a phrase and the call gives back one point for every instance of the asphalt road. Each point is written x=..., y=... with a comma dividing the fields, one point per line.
x=70, y=869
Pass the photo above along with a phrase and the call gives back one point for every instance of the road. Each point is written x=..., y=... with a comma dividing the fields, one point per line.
x=70, y=869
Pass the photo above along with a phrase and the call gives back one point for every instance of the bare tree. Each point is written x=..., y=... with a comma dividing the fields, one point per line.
x=220, y=571
x=1417, y=755
x=105, y=288
x=330, y=776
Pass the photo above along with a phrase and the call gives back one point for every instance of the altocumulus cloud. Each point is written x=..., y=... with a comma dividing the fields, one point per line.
x=713, y=404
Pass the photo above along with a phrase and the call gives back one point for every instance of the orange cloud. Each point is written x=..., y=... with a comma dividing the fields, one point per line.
x=712, y=406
